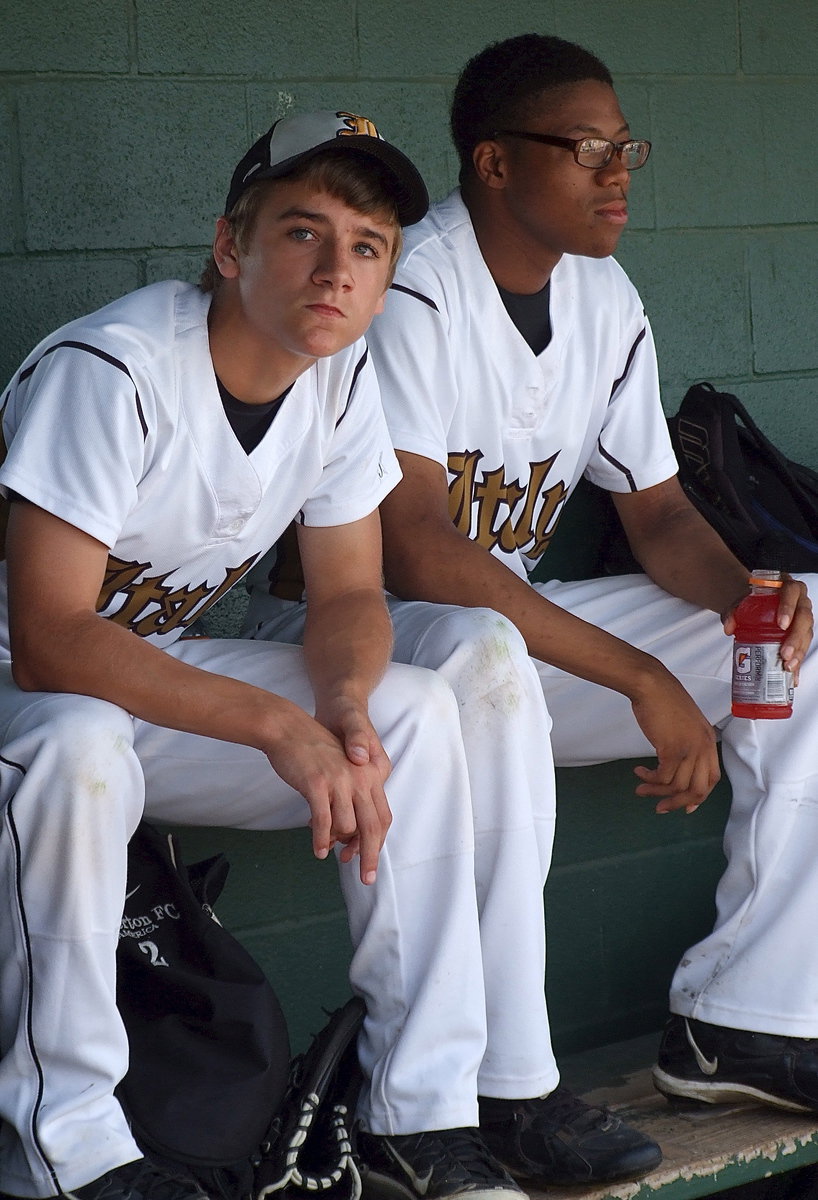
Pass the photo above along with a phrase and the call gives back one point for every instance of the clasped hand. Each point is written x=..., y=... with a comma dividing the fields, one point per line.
x=337, y=763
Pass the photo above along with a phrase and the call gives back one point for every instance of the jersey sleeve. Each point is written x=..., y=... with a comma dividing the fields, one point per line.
x=633, y=450
x=360, y=466
x=413, y=358
x=75, y=427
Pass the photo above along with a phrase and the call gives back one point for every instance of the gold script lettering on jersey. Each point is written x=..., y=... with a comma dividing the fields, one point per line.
x=146, y=605
x=496, y=512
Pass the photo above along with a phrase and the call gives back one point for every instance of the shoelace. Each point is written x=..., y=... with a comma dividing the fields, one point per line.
x=465, y=1149
x=565, y=1109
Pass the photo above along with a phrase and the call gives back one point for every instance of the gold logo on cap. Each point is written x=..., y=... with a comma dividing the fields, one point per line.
x=356, y=126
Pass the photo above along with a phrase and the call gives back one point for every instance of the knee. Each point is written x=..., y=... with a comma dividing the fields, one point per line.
x=417, y=690
x=416, y=697
x=486, y=656
x=77, y=747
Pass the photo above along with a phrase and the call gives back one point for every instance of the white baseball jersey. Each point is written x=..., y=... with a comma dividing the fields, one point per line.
x=144, y=459
x=115, y=424
x=516, y=430
x=461, y=386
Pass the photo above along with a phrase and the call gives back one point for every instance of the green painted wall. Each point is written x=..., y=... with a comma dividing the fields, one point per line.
x=120, y=122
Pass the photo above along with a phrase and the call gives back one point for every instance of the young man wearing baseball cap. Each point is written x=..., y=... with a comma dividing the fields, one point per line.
x=513, y=357
x=156, y=448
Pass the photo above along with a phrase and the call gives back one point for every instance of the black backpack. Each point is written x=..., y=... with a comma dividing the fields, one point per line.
x=211, y=1083
x=764, y=505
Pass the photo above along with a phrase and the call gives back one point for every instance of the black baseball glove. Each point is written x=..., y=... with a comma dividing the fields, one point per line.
x=309, y=1146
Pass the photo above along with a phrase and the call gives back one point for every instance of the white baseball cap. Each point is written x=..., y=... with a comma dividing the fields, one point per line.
x=293, y=140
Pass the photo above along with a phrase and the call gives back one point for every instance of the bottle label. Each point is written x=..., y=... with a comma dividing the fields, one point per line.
x=758, y=675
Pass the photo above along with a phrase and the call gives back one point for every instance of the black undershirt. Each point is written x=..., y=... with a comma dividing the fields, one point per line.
x=249, y=422
x=531, y=315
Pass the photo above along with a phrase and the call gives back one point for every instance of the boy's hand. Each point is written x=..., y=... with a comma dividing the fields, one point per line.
x=362, y=746
x=346, y=797
x=685, y=744
x=351, y=724
x=794, y=616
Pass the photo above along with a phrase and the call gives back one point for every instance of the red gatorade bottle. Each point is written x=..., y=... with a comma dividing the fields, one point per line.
x=761, y=685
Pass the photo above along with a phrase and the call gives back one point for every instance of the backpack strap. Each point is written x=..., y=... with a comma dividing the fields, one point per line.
x=706, y=435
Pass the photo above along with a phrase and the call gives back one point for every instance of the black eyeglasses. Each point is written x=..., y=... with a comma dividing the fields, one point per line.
x=591, y=152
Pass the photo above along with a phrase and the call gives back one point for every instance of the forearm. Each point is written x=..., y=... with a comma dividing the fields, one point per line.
x=454, y=570
x=89, y=655
x=678, y=549
x=60, y=644
x=689, y=560
x=347, y=646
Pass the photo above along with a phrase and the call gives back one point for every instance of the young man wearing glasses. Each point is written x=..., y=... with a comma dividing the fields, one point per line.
x=514, y=356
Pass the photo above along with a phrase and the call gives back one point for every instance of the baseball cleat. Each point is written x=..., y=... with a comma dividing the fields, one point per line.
x=559, y=1139
x=436, y=1165
x=718, y=1065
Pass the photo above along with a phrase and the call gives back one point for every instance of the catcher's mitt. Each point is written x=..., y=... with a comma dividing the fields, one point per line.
x=309, y=1147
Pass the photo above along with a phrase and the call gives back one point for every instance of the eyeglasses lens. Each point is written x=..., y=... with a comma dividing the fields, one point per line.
x=598, y=152
x=635, y=154
x=594, y=152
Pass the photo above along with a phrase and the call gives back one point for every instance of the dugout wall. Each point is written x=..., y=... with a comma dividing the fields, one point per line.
x=120, y=122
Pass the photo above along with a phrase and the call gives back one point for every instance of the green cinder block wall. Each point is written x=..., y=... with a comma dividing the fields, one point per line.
x=120, y=122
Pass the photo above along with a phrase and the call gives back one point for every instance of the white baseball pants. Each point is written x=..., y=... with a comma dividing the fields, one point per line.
x=77, y=773
x=757, y=970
